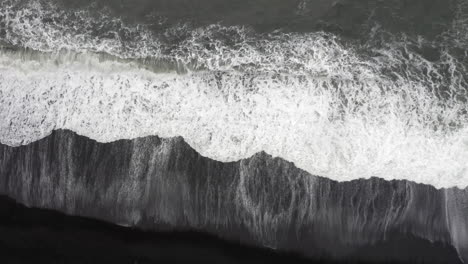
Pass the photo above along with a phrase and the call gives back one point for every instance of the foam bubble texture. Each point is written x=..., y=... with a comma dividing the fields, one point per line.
x=336, y=109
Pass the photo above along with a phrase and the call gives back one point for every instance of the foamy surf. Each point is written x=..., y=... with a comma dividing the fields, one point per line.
x=336, y=108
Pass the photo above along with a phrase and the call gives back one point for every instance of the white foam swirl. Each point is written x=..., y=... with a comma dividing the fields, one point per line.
x=328, y=107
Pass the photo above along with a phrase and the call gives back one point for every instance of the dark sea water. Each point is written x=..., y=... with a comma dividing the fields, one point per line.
x=317, y=127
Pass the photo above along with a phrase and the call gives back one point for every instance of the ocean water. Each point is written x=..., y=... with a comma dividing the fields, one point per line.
x=381, y=95
x=349, y=95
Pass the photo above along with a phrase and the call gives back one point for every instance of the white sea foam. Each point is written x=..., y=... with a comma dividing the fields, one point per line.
x=41, y=25
x=308, y=98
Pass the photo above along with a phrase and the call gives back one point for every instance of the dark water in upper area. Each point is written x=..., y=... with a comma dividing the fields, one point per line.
x=420, y=17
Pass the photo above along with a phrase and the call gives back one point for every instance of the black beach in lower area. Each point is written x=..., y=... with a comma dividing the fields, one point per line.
x=30, y=235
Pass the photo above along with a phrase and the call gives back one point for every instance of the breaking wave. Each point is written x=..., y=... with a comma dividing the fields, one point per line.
x=394, y=106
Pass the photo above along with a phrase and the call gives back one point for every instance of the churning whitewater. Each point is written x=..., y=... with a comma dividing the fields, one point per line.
x=337, y=107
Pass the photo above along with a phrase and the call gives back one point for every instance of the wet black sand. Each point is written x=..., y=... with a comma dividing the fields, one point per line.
x=30, y=235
